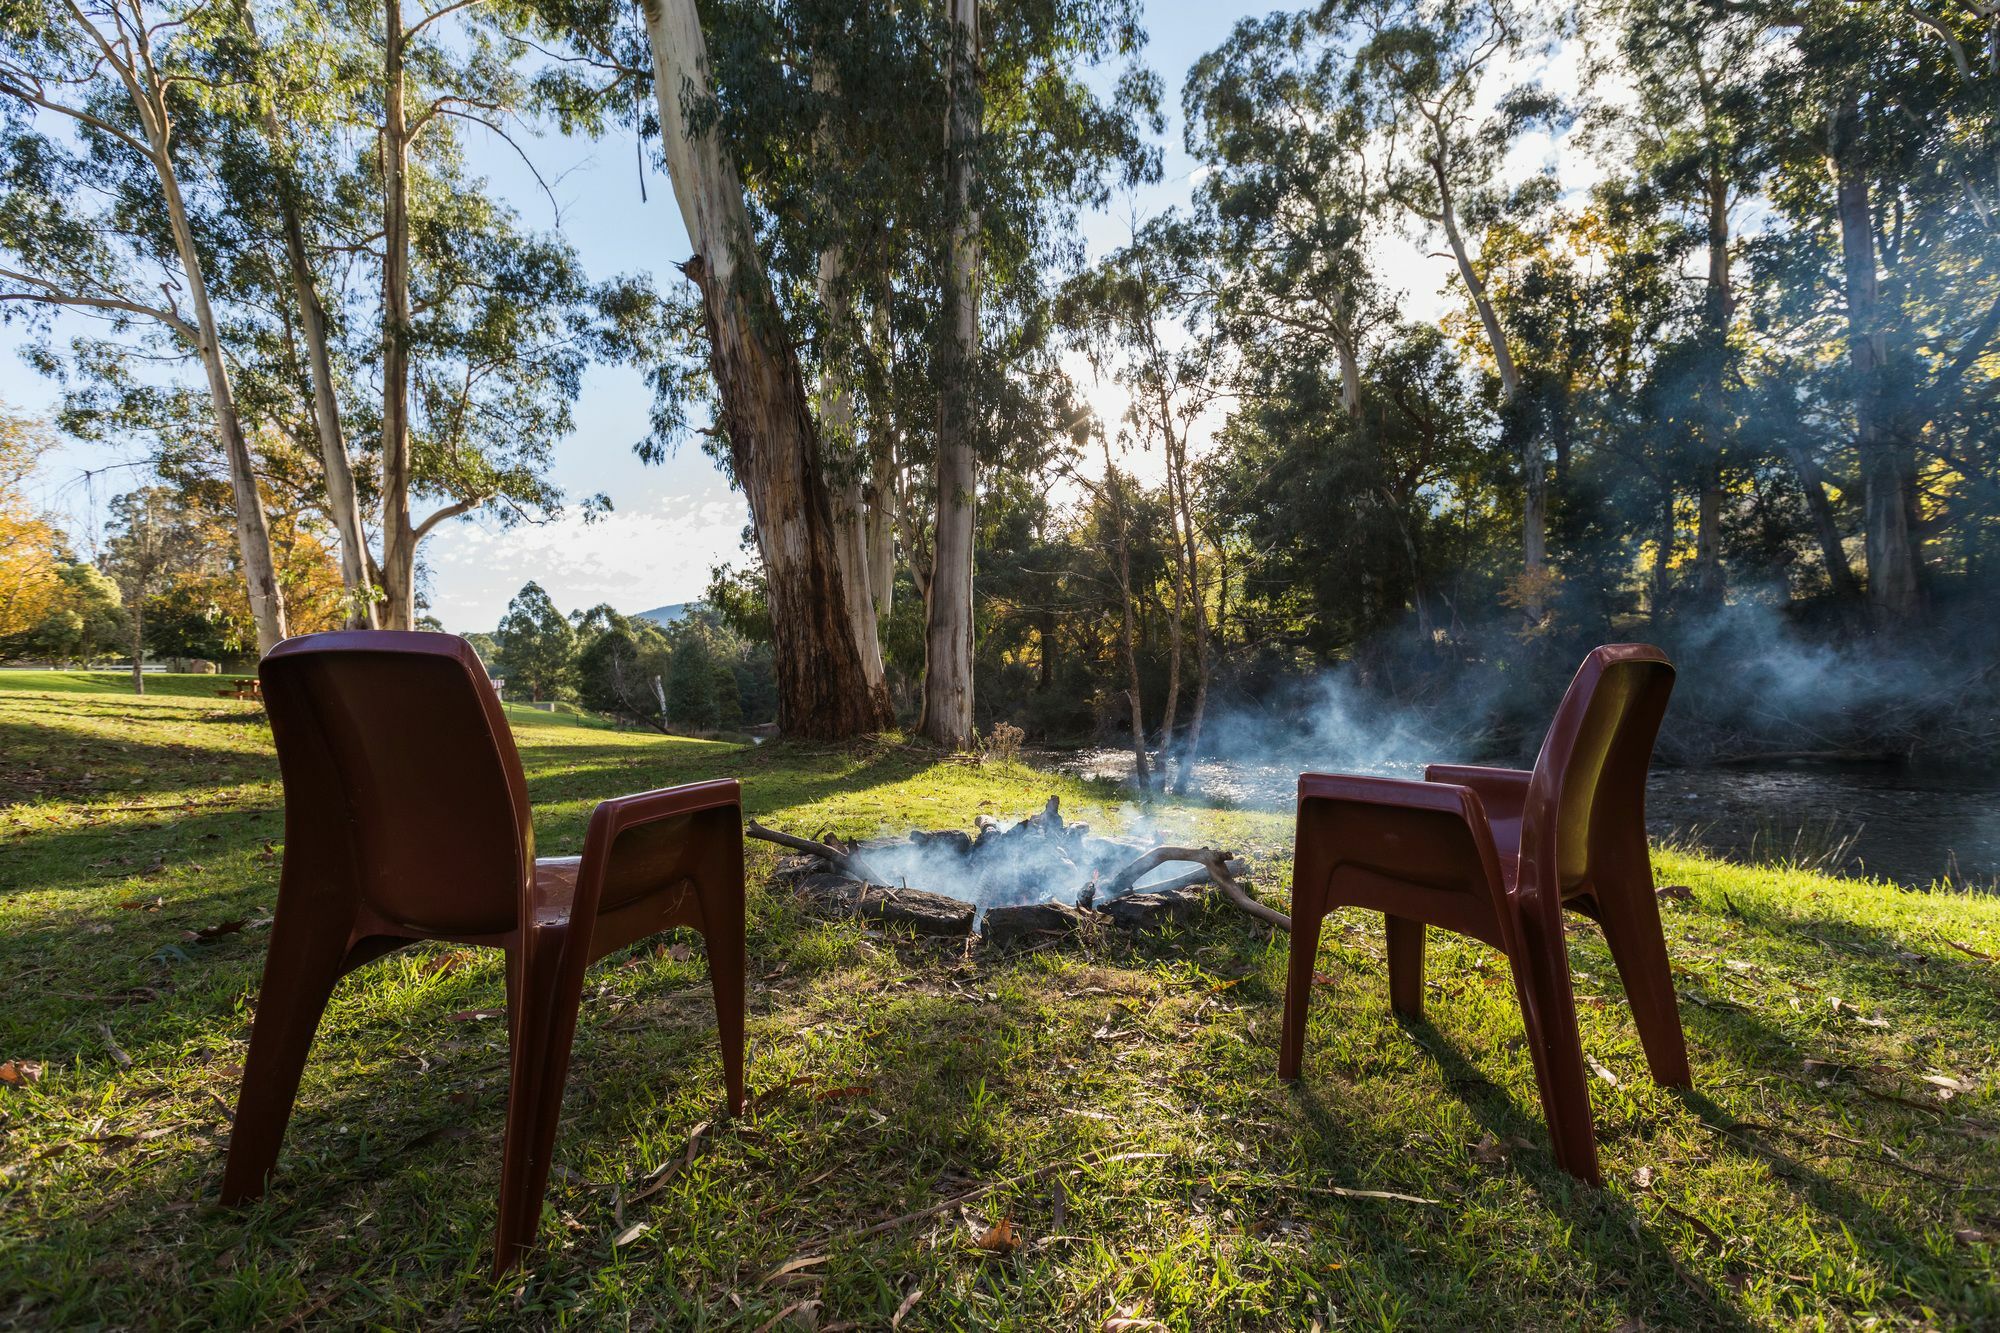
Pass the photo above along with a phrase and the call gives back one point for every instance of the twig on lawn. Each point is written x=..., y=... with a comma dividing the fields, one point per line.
x=1389, y=1195
x=1092, y=1159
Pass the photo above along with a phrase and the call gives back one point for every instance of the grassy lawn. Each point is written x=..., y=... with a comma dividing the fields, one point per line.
x=1838, y=1165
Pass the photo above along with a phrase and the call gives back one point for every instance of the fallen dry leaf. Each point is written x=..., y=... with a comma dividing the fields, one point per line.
x=215, y=932
x=474, y=1015
x=20, y=1073
x=1972, y=1236
x=446, y=963
x=999, y=1238
x=1969, y=951
x=1598, y=1068
x=1679, y=893
x=909, y=1304
x=630, y=1234
x=1128, y=1320
x=791, y=1266
x=809, y=1309
x=1642, y=1179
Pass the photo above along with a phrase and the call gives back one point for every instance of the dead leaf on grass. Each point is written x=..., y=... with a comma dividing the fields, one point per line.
x=1973, y=1236
x=1679, y=893
x=1642, y=1179
x=1599, y=1068
x=152, y=904
x=999, y=1238
x=909, y=1304
x=630, y=1234
x=439, y=1135
x=20, y=1073
x=1127, y=1319
x=791, y=1266
x=447, y=963
x=474, y=1015
x=208, y=934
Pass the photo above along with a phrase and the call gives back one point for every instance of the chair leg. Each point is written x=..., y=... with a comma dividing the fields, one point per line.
x=1631, y=924
x=1548, y=1012
x=720, y=896
x=1308, y=911
x=1406, y=965
x=306, y=958
x=543, y=1000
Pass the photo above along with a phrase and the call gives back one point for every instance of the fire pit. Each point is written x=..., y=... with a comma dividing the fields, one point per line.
x=1041, y=876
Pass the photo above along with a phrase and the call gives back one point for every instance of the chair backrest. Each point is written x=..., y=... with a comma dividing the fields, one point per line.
x=402, y=784
x=1588, y=796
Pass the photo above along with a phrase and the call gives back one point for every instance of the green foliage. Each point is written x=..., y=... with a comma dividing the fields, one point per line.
x=691, y=700
x=84, y=620
x=537, y=647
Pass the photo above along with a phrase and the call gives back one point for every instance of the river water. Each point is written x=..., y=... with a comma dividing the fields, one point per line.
x=1864, y=820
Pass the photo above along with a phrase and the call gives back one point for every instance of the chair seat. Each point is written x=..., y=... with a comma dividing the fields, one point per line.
x=555, y=888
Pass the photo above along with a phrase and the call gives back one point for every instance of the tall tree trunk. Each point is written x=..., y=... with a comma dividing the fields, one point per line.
x=342, y=500
x=1826, y=528
x=838, y=441
x=253, y=532
x=1663, y=553
x=884, y=491
x=849, y=506
x=137, y=613
x=1169, y=713
x=1717, y=305
x=1534, y=469
x=948, y=629
x=1114, y=487
x=1882, y=418
x=823, y=689
x=399, y=538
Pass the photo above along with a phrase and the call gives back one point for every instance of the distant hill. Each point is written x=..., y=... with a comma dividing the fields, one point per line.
x=667, y=615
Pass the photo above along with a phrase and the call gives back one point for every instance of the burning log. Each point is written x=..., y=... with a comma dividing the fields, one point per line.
x=846, y=862
x=1219, y=869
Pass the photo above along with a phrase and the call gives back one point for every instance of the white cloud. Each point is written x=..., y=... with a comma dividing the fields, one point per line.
x=658, y=553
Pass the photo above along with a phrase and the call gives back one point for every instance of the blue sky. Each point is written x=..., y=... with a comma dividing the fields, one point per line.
x=670, y=522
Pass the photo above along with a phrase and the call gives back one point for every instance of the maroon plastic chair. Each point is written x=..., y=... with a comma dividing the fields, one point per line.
x=406, y=818
x=1496, y=854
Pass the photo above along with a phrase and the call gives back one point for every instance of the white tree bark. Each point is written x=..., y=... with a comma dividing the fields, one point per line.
x=253, y=533
x=948, y=635
x=824, y=688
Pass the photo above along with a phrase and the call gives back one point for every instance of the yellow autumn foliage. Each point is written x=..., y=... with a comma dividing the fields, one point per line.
x=30, y=550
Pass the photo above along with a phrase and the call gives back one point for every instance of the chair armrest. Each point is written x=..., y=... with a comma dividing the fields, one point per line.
x=1404, y=793
x=1503, y=791
x=1439, y=805
x=625, y=812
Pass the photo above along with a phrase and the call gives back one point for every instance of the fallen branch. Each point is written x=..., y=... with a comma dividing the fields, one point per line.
x=1217, y=870
x=846, y=862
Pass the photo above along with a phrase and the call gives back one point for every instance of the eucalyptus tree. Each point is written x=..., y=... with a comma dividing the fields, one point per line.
x=143, y=548
x=1420, y=77
x=806, y=143
x=1291, y=196
x=1144, y=319
x=105, y=212
x=401, y=315
x=1886, y=274
x=1690, y=132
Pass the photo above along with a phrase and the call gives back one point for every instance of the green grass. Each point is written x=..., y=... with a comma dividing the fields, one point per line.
x=1816, y=1178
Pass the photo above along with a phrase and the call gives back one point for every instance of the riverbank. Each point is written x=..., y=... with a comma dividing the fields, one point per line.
x=1919, y=830
x=1837, y=1163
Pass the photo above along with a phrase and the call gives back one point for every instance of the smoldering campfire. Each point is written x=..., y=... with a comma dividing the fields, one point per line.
x=1043, y=876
